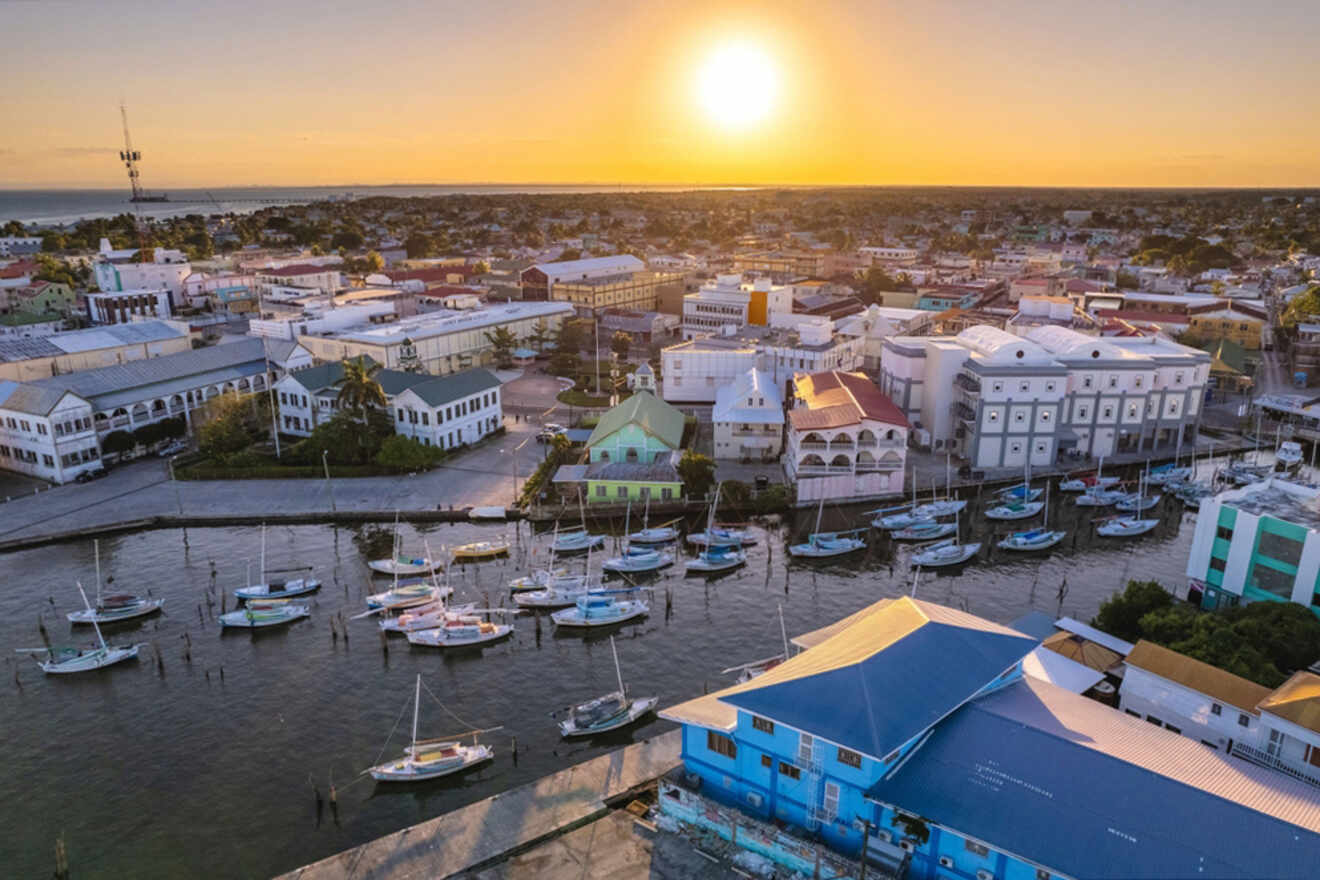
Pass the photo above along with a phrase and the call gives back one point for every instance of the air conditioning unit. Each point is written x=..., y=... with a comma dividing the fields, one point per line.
x=754, y=799
x=884, y=837
x=907, y=845
x=983, y=874
x=946, y=861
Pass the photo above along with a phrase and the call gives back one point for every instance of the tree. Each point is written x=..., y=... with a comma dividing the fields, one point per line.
x=1126, y=280
x=697, y=472
x=481, y=267
x=346, y=438
x=375, y=262
x=406, y=454
x=358, y=391
x=621, y=343
x=568, y=255
x=418, y=244
x=563, y=363
x=539, y=336
x=1120, y=614
x=502, y=342
x=347, y=239
x=1302, y=308
x=572, y=336
x=223, y=437
x=117, y=442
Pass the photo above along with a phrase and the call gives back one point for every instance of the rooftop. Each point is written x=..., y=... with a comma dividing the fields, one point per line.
x=576, y=270
x=88, y=340
x=653, y=415
x=1296, y=700
x=834, y=398
x=1278, y=499
x=1195, y=675
x=442, y=323
x=27, y=398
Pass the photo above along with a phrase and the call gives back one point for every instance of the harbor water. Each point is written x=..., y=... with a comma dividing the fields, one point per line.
x=209, y=761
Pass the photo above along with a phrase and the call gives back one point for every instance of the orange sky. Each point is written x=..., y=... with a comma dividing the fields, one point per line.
x=1063, y=93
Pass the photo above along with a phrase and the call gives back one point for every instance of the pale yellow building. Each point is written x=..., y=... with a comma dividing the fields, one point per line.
x=24, y=360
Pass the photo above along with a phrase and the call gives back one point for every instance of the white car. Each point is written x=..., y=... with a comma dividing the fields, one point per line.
x=174, y=447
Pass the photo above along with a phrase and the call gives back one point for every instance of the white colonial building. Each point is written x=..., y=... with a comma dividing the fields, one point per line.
x=749, y=418
x=122, y=270
x=48, y=433
x=846, y=439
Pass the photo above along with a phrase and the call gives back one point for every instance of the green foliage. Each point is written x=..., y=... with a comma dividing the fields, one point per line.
x=419, y=244
x=1303, y=307
x=502, y=341
x=568, y=255
x=697, y=472
x=1120, y=614
x=51, y=269
x=621, y=343
x=481, y=267
x=117, y=442
x=1126, y=281
x=358, y=390
x=563, y=363
x=349, y=239
x=573, y=336
x=773, y=498
x=348, y=437
x=375, y=262
x=406, y=454
x=559, y=452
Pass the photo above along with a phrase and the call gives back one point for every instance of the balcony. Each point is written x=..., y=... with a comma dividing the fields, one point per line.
x=822, y=470
x=967, y=383
x=813, y=446
x=1308, y=774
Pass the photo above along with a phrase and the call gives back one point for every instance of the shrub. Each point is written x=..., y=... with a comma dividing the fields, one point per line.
x=406, y=454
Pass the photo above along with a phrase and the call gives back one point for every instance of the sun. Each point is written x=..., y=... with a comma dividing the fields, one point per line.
x=737, y=85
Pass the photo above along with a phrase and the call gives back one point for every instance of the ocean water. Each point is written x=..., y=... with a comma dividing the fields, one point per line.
x=53, y=207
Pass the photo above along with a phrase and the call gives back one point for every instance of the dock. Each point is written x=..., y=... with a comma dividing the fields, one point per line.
x=500, y=827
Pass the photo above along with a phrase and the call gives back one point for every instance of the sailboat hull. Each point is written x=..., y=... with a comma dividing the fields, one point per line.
x=89, y=661
x=406, y=769
x=104, y=615
x=638, y=710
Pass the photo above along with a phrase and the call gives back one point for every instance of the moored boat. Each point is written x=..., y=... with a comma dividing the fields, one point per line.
x=408, y=595
x=716, y=559
x=432, y=758
x=460, y=631
x=944, y=553
x=595, y=609
x=116, y=606
x=1036, y=539
x=1014, y=510
x=927, y=530
x=638, y=560
x=267, y=615
x=1125, y=527
x=609, y=712
x=479, y=550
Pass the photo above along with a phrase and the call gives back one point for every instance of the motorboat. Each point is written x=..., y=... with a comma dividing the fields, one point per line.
x=1014, y=510
x=277, y=589
x=609, y=712
x=927, y=530
x=1125, y=527
x=638, y=560
x=716, y=559
x=577, y=541
x=432, y=758
x=595, y=609
x=460, y=631
x=408, y=595
x=115, y=606
x=264, y=615
x=1036, y=539
x=1289, y=453
x=479, y=550
x=943, y=553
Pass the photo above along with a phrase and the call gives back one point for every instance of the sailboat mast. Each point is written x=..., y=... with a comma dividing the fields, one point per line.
x=617, y=673
x=417, y=703
x=782, y=630
x=646, y=513
x=262, y=574
x=820, y=511
x=99, y=637
x=96, y=549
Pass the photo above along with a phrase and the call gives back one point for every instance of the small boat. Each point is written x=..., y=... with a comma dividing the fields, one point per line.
x=718, y=558
x=595, y=609
x=479, y=550
x=460, y=631
x=748, y=671
x=610, y=712
x=556, y=597
x=1140, y=501
x=941, y=508
x=405, y=565
x=827, y=544
x=116, y=606
x=1244, y=474
x=1190, y=494
x=926, y=530
x=1020, y=494
x=488, y=513
x=432, y=758
x=277, y=589
x=948, y=552
x=576, y=541
x=1099, y=497
x=69, y=659
x=649, y=534
x=893, y=521
x=1168, y=476
x=1014, y=510
x=1036, y=539
x=723, y=536
x=544, y=578
x=408, y=595
x=639, y=559
x=269, y=614
x=1092, y=481
x=1125, y=527
x=424, y=617
x=1289, y=453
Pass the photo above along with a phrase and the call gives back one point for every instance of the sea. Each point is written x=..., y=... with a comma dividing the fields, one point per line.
x=62, y=207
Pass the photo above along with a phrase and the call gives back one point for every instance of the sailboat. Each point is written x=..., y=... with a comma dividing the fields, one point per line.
x=658, y=535
x=610, y=712
x=1089, y=481
x=463, y=631
x=1141, y=501
x=822, y=545
x=948, y=552
x=431, y=758
x=600, y=608
x=925, y=530
x=430, y=615
x=1125, y=527
x=399, y=564
x=1035, y=539
x=257, y=615
x=579, y=539
x=277, y=589
x=939, y=507
x=116, y=606
x=748, y=671
x=638, y=560
x=72, y=659
x=1012, y=508
x=721, y=535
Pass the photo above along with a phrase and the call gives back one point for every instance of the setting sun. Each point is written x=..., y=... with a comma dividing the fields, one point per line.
x=737, y=85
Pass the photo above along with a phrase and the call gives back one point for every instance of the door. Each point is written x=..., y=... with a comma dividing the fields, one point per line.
x=830, y=806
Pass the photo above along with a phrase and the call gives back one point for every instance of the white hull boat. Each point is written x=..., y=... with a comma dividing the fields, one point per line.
x=257, y=618
x=626, y=712
x=576, y=542
x=431, y=758
x=554, y=597
x=946, y=553
x=112, y=609
x=1289, y=453
x=655, y=535
x=279, y=589
x=716, y=559
x=1126, y=527
x=543, y=579
x=423, y=617
x=719, y=537
x=488, y=513
x=64, y=660
x=1099, y=498
x=592, y=610
x=927, y=531
x=1020, y=494
x=1036, y=539
x=460, y=631
x=937, y=509
x=408, y=596
x=827, y=545
x=1138, y=503
x=405, y=566
x=899, y=521
x=638, y=561
x=1170, y=476
x=1082, y=484
x=1014, y=511
x=478, y=551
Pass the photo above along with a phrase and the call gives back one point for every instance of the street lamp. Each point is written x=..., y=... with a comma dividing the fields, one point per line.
x=328, y=485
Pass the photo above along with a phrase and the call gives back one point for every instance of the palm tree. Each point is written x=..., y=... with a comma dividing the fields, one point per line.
x=502, y=341
x=358, y=390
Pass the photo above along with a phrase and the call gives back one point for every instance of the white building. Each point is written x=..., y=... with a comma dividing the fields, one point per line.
x=47, y=433
x=19, y=245
x=303, y=276
x=728, y=302
x=748, y=417
x=889, y=254
x=121, y=270
x=27, y=359
x=846, y=439
x=120, y=306
x=320, y=318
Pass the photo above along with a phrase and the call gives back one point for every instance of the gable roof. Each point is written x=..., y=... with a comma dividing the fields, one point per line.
x=439, y=390
x=753, y=383
x=1198, y=676
x=27, y=398
x=1082, y=650
x=1296, y=700
x=834, y=399
x=1078, y=787
x=654, y=416
x=873, y=662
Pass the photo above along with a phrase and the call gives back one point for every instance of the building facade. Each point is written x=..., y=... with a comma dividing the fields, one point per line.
x=47, y=433
x=28, y=359
x=123, y=306
x=122, y=270
x=539, y=282
x=748, y=418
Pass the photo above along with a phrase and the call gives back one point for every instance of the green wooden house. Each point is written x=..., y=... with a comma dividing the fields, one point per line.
x=640, y=430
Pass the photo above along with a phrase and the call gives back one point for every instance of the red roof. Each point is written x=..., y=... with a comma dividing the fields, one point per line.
x=438, y=275
x=18, y=269
x=834, y=399
x=296, y=270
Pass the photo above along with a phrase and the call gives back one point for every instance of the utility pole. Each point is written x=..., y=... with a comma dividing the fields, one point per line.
x=270, y=386
x=328, y=485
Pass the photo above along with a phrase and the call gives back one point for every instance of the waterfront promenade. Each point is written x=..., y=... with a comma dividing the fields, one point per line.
x=503, y=825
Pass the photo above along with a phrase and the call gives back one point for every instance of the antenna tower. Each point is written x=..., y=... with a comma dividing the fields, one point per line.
x=130, y=157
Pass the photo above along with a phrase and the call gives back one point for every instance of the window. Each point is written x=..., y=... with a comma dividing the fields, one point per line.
x=1133, y=714
x=1285, y=550
x=1086, y=382
x=1081, y=413
x=765, y=725
x=1136, y=382
x=977, y=849
x=994, y=415
x=1153, y=720
x=1045, y=416
x=1015, y=448
x=412, y=417
x=1109, y=412
x=721, y=745
x=1019, y=416
x=41, y=429
x=767, y=761
x=666, y=494
x=1271, y=580
x=1216, y=709
x=426, y=419
x=284, y=397
x=996, y=386
x=1132, y=410
x=1275, y=745
x=849, y=757
x=1049, y=386
x=789, y=770
x=601, y=491
x=1217, y=564
x=830, y=802
x=805, y=746
x=1243, y=720
x=1178, y=378
x=1024, y=386
x=401, y=415
x=623, y=492
x=48, y=461
x=1171, y=728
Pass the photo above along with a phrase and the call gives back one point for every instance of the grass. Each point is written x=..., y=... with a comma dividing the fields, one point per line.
x=580, y=398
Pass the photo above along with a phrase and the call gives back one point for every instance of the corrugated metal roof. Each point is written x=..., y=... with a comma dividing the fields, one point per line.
x=1057, y=669
x=1083, y=651
x=834, y=399
x=1081, y=788
x=1198, y=676
x=1090, y=633
x=753, y=383
x=870, y=664
x=1297, y=700
x=569, y=270
x=654, y=416
x=26, y=397
x=439, y=390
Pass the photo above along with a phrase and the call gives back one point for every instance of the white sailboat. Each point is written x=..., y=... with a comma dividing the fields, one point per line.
x=116, y=606
x=1091, y=481
x=258, y=615
x=72, y=659
x=610, y=712
x=432, y=758
x=939, y=507
x=401, y=564
x=822, y=545
x=600, y=608
x=462, y=631
x=1139, y=502
x=639, y=560
x=948, y=552
x=1125, y=527
x=1035, y=539
x=748, y=671
x=721, y=535
x=276, y=589
x=427, y=616
x=657, y=535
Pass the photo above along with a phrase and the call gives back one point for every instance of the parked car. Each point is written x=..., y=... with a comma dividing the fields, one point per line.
x=87, y=476
x=174, y=447
x=550, y=432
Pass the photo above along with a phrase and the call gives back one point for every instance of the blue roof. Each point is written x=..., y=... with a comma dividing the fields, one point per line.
x=1078, y=787
x=886, y=677
x=1036, y=624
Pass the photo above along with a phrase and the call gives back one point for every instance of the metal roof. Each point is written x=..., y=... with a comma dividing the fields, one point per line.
x=1091, y=634
x=1078, y=787
x=439, y=390
x=1057, y=669
x=835, y=399
x=575, y=269
x=1196, y=675
x=872, y=663
x=1297, y=700
x=754, y=382
x=27, y=398
x=654, y=416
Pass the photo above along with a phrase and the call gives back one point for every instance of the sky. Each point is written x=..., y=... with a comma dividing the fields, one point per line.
x=944, y=92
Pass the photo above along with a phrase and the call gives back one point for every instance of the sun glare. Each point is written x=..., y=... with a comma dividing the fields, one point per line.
x=737, y=85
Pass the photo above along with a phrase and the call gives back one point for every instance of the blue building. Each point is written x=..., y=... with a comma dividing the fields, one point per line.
x=909, y=732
